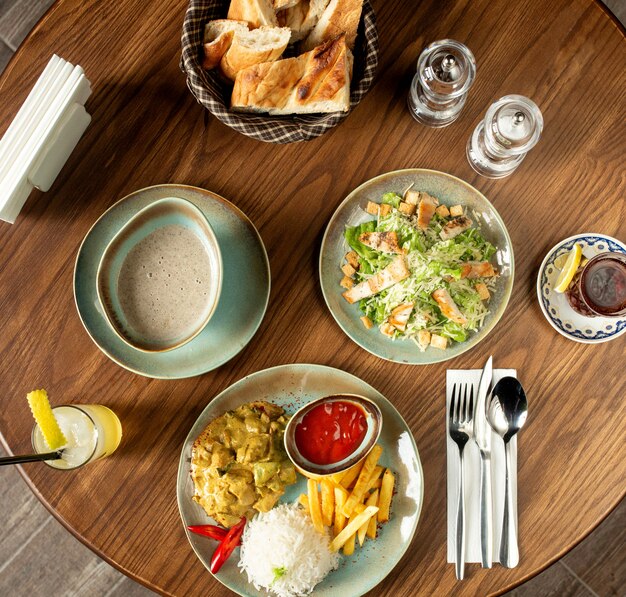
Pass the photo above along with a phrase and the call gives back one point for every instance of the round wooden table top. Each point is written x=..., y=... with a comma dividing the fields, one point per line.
x=568, y=56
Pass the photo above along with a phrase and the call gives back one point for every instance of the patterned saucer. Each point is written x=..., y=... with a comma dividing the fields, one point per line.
x=589, y=330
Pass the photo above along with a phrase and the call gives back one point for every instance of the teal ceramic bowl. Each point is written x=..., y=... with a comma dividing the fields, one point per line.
x=292, y=387
x=170, y=211
x=450, y=191
x=237, y=316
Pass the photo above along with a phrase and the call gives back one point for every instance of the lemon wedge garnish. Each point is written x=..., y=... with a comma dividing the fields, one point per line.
x=44, y=417
x=569, y=269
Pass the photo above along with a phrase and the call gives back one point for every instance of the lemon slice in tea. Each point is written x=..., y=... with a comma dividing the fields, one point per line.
x=44, y=417
x=569, y=269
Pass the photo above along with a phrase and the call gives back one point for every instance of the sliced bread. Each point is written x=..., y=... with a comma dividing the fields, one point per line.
x=340, y=16
x=283, y=4
x=248, y=48
x=315, y=82
x=218, y=35
x=257, y=13
x=302, y=17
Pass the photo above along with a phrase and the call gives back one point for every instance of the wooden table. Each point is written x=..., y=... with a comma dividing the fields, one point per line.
x=569, y=56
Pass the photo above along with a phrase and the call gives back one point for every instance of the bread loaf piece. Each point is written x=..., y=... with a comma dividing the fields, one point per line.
x=340, y=16
x=264, y=44
x=315, y=82
x=302, y=17
x=218, y=35
x=256, y=13
x=283, y=4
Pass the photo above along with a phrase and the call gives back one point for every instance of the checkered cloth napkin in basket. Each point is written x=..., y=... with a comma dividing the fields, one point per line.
x=214, y=94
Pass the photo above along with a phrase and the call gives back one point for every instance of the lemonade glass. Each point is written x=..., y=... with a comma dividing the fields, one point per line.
x=93, y=431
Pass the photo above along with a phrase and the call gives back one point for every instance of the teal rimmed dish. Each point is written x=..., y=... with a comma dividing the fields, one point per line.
x=171, y=211
x=450, y=191
x=237, y=316
x=292, y=387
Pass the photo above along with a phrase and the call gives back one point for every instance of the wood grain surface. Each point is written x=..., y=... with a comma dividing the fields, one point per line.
x=147, y=129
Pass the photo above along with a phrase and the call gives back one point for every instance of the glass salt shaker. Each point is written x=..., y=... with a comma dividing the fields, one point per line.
x=512, y=126
x=445, y=72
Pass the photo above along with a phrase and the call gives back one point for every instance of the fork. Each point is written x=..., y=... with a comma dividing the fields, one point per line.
x=461, y=430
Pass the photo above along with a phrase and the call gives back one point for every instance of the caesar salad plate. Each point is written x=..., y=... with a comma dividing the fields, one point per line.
x=450, y=191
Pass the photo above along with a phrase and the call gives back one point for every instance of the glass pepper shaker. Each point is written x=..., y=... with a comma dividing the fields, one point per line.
x=512, y=126
x=445, y=72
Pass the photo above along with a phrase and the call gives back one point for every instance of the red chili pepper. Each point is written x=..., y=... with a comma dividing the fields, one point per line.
x=209, y=530
x=226, y=547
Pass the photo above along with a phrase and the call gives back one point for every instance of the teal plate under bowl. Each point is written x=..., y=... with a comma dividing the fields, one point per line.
x=294, y=386
x=450, y=191
x=238, y=315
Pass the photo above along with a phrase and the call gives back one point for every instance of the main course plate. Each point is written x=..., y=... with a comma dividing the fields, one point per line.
x=293, y=386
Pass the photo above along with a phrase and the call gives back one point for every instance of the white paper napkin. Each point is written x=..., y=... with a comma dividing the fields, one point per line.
x=471, y=460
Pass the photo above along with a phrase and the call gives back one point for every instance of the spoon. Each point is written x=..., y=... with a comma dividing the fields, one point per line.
x=30, y=458
x=507, y=412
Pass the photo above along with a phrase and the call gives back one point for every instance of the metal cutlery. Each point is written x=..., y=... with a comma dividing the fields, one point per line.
x=482, y=435
x=461, y=430
x=507, y=412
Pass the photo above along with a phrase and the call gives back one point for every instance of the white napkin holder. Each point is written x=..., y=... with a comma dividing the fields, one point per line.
x=42, y=136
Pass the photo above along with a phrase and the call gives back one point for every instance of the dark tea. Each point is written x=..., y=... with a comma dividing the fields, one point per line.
x=602, y=284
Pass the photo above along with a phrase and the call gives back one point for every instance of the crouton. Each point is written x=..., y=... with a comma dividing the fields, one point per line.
x=353, y=259
x=372, y=208
x=385, y=210
x=423, y=339
x=438, y=341
x=387, y=329
x=456, y=210
x=455, y=227
x=406, y=208
x=448, y=306
x=348, y=270
x=387, y=242
x=412, y=197
x=443, y=211
x=347, y=282
x=483, y=291
x=367, y=322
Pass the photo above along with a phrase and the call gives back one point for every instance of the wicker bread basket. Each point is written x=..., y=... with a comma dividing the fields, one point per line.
x=214, y=94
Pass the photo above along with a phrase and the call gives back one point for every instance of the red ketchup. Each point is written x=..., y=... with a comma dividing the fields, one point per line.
x=331, y=431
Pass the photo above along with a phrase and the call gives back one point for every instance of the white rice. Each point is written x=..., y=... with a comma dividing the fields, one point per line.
x=283, y=553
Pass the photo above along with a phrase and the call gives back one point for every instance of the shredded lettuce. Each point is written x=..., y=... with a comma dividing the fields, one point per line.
x=392, y=199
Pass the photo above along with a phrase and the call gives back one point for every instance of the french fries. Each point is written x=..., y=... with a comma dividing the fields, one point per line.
x=314, y=506
x=363, y=481
x=375, y=481
x=352, y=527
x=351, y=474
x=386, y=491
x=341, y=495
x=351, y=503
x=372, y=500
x=328, y=502
x=371, y=526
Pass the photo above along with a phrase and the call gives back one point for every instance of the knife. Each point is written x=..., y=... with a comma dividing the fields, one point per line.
x=482, y=435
